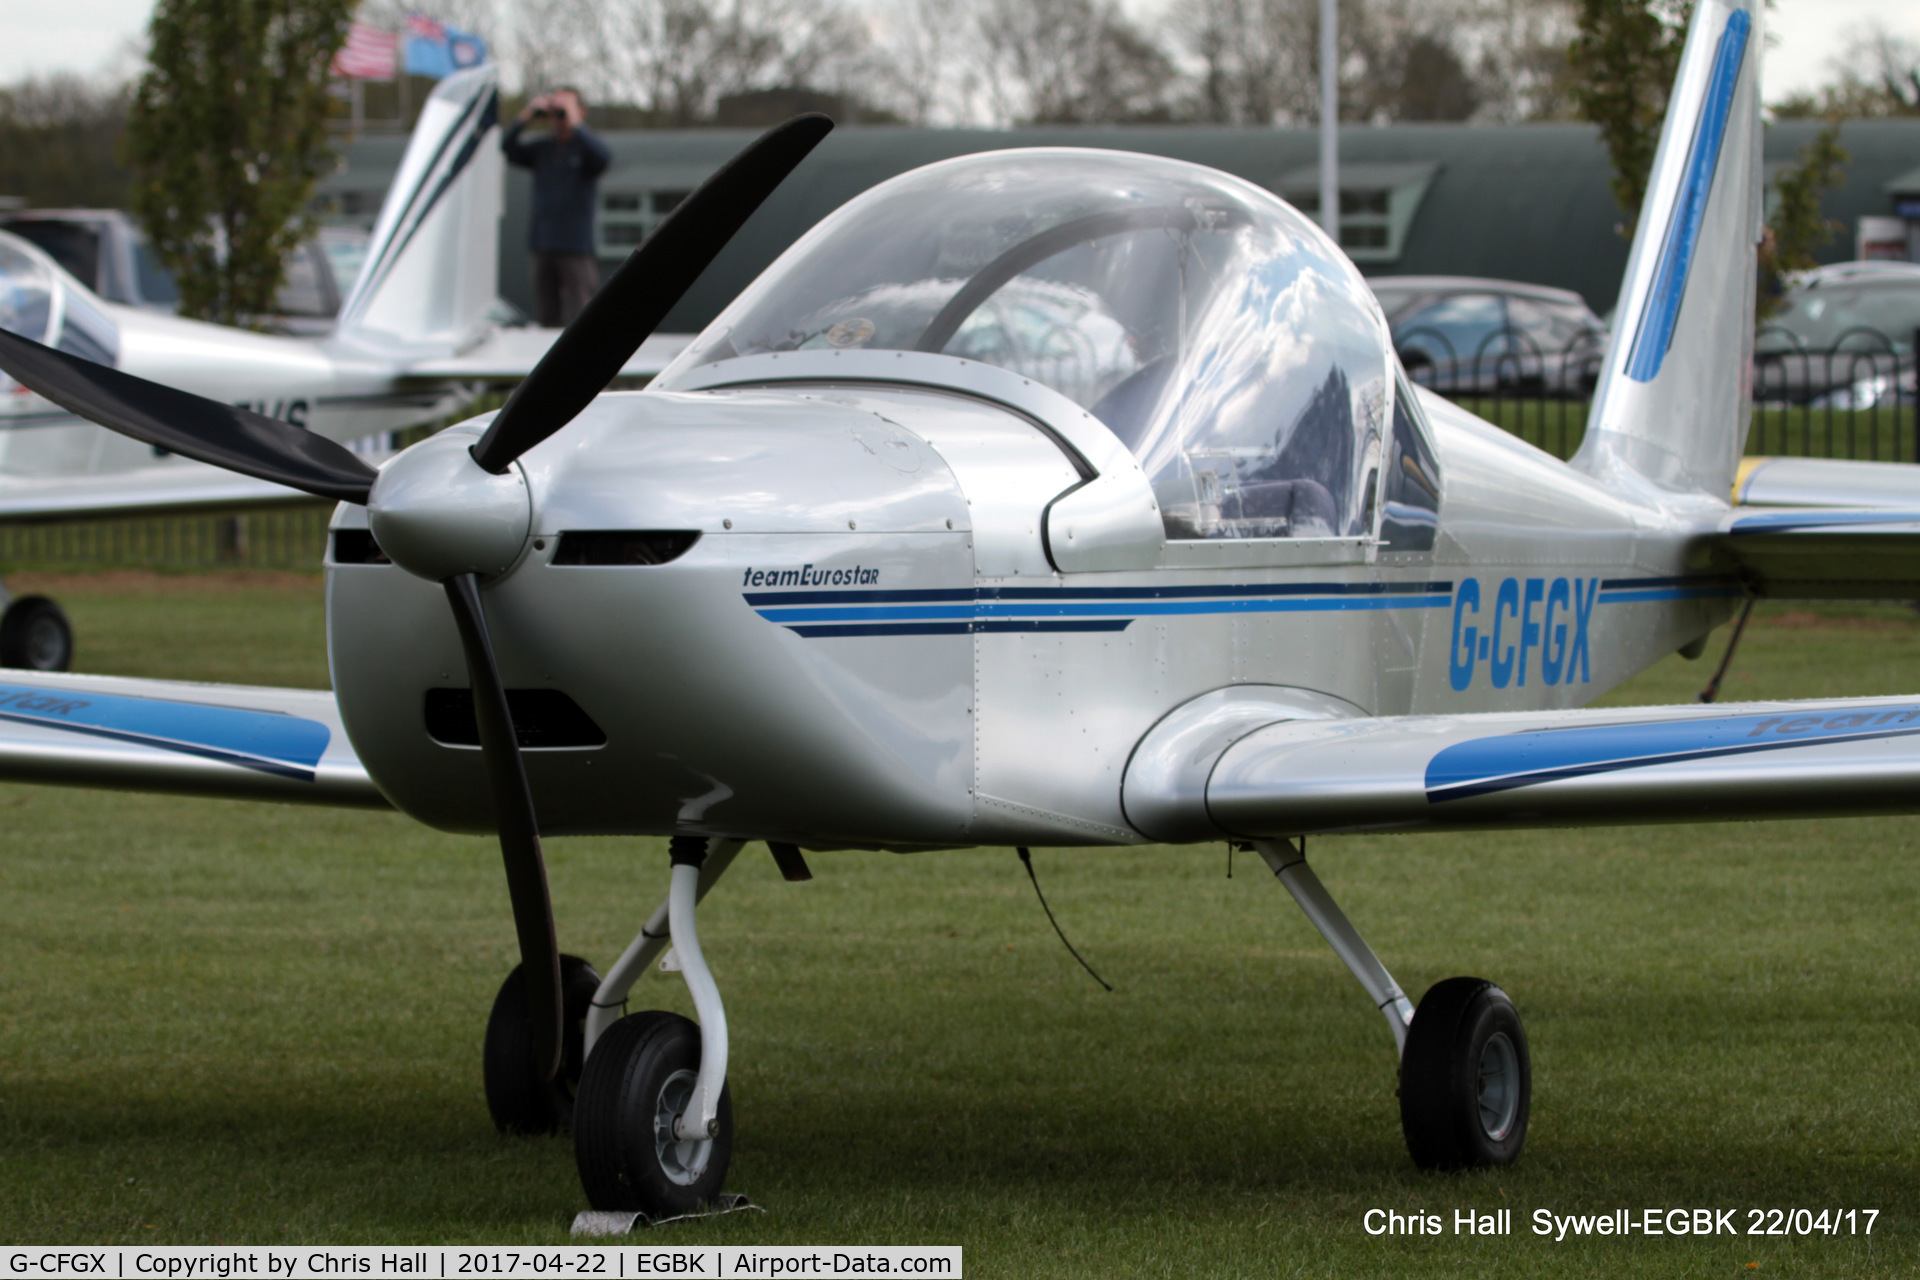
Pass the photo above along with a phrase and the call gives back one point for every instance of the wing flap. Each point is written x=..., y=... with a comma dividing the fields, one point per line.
x=234, y=741
x=1566, y=768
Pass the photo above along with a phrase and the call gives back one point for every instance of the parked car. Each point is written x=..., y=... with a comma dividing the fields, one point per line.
x=1462, y=334
x=105, y=250
x=1842, y=338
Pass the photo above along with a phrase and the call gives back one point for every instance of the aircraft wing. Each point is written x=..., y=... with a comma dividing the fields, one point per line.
x=508, y=355
x=237, y=741
x=1590, y=767
x=172, y=486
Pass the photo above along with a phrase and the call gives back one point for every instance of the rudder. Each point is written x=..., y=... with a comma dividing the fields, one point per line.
x=1675, y=394
x=432, y=268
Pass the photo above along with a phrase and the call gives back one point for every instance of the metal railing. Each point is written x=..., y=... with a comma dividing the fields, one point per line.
x=284, y=538
x=1856, y=400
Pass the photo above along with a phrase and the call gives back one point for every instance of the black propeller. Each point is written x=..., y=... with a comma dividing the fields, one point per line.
x=633, y=302
x=519, y=828
x=223, y=434
x=581, y=362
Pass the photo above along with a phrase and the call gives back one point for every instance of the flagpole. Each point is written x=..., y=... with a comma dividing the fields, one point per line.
x=1330, y=117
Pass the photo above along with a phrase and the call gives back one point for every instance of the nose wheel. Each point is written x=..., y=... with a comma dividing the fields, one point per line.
x=519, y=1100
x=630, y=1118
x=1465, y=1079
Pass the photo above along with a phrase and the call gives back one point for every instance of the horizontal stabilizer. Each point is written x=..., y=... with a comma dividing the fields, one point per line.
x=1811, y=553
x=1563, y=768
x=235, y=741
x=1826, y=482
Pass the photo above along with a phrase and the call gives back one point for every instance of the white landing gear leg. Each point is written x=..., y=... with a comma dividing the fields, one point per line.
x=653, y=1122
x=1290, y=866
x=610, y=1001
x=1466, y=1081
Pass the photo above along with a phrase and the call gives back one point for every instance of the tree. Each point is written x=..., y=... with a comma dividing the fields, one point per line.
x=1797, y=227
x=59, y=139
x=226, y=138
x=1624, y=57
x=1877, y=76
x=1071, y=62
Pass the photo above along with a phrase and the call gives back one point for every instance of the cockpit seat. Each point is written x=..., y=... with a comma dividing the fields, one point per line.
x=1304, y=504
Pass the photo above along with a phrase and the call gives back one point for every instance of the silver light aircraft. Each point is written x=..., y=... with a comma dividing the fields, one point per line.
x=414, y=342
x=1039, y=497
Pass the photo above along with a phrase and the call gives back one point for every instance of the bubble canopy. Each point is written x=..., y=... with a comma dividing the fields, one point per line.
x=1210, y=325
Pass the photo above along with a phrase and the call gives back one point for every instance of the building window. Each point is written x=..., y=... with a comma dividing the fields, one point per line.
x=628, y=217
x=1377, y=204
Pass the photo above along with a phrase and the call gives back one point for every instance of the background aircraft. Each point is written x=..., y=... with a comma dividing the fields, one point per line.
x=903, y=553
x=414, y=342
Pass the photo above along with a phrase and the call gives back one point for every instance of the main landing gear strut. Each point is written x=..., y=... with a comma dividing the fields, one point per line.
x=1465, y=1078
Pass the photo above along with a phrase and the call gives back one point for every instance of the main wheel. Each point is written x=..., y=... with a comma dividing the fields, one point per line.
x=1465, y=1079
x=636, y=1084
x=36, y=636
x=517, y=1098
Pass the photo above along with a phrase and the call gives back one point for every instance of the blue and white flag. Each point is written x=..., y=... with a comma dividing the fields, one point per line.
x=437, y=50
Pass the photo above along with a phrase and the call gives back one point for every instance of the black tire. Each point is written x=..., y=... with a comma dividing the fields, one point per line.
x=517, y=1098
x=36, y=636
x=626, y=1094
x=1466, y=1082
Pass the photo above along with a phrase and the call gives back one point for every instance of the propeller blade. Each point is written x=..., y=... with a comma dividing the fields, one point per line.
x=633, y=302
x=183, y=423
x=519, y=830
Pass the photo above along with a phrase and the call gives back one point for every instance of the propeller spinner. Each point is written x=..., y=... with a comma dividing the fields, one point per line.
x=451, y=514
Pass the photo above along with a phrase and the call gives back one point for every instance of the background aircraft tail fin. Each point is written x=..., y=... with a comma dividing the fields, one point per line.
x=1675, y=394
x=432, y=268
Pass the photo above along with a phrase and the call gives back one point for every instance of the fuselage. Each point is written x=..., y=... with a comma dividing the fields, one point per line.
x=868, y=643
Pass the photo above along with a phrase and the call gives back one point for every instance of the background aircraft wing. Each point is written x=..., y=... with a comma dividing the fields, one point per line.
x=171, y=486
x=508, y=355
x=237, y=741
x=1591, y=767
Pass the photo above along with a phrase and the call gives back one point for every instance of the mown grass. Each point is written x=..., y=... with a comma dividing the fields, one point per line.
x=222, y=1022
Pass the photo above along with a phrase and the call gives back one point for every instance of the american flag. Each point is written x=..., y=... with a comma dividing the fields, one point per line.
x=368, y=54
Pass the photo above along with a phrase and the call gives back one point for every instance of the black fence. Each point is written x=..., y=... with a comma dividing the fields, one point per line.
x=1855, y=400
x=287, y=538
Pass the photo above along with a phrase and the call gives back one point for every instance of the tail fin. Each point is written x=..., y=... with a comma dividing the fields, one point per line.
x=1674, y=396
x=432, y=269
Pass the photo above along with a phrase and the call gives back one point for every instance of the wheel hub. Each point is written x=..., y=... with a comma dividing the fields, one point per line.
x=682, y=1161
x=1499, y=1091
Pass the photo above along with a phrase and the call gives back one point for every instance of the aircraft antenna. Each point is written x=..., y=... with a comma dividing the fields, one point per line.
x=1712, y=690
x=1026, y=860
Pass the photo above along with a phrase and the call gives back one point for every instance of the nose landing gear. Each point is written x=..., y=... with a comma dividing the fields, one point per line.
x=1466, y=1081
x=653, y=1122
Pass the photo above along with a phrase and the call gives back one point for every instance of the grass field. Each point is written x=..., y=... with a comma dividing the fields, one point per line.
x=224, y=1023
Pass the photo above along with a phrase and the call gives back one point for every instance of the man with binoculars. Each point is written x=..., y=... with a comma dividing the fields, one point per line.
x=567, y=164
